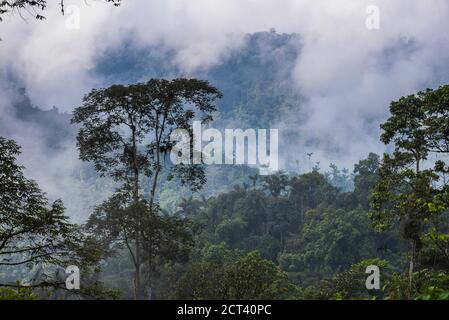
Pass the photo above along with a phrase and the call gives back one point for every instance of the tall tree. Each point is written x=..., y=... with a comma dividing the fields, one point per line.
x=411, y=187
x=32, y=230
x=365, y=178
x=276, y=183
x=126, y=133
x=309, y=190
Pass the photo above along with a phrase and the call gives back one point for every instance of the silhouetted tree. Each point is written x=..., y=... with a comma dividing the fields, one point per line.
x=126, y=133
x=410, y=188
x=32, y=230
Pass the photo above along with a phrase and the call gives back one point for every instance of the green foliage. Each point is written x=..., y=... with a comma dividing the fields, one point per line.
x=231, y=230
x=366, y=177
x=36, y=238
x=310, y=190
x=411, y=187
x=435, y=288
x=218, y=253
x=282, y=236
x=249, y=277
x=150, y=112
x=161, y=238
x=99, y=291
x=17, y=294
x=330, y=241
x=347, y=285
x=326, y=240
x=32, y=231
x=276, y=184
x=126, y=132
x=426, y=285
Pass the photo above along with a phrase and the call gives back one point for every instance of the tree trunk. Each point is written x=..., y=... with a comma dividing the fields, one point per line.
x=411, y=267
x=413, y=241
x=137, y=281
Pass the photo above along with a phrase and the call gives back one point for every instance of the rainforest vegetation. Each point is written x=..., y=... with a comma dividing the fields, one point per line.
x=280, y=236
x=143, y=228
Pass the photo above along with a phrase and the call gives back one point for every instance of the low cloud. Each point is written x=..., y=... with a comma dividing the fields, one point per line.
x=346, y=73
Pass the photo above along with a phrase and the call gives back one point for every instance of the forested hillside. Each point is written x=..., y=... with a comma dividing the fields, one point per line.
x=255, y=79
x=256, y=93
x=156, y=230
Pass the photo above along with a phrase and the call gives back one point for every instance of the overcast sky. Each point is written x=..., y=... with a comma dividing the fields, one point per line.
x=347, y=72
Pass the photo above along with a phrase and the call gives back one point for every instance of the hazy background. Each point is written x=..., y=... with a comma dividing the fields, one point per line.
x=345, y=74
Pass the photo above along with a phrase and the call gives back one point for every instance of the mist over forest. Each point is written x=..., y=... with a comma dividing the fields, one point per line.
x=86, y=117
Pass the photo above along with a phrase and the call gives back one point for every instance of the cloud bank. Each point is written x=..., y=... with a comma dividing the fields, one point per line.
x=347, y=73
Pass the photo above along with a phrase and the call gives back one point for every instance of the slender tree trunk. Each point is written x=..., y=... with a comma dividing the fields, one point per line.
x=159, y=131
x=413, y=241
x=135, y=168
x=149, y=274
x=137, y=281
x=153, y=188
x=138, y=284
x=411, y=267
